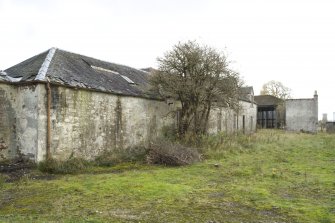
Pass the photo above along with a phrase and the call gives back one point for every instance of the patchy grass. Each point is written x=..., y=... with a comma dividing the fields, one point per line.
x=271, y=176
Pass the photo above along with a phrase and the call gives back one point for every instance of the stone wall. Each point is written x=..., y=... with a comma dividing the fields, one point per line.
x=302, y=114
x=18, y=121
x=85, y=123
x=229, y=121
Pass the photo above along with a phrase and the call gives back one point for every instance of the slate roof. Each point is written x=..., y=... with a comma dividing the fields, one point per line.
x=246, y=94
x=27, y=69
x=149, y=69
x=267, y=100
x=247, y=90
x=75, y=70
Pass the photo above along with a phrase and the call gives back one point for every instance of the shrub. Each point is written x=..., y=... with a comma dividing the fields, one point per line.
x=70, y=166
x=2, y=181
x=171, y=154
x=107, y=158
x=169, y=133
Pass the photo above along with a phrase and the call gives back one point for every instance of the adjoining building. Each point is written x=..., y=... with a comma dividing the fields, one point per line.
x=270, y=112
x=60, y=104
x=302, y=114
x=330, y=127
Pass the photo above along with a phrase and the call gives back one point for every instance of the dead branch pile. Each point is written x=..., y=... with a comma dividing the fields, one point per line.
x=171, y=154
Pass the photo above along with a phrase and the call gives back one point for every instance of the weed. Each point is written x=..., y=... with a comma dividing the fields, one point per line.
x=169, y=133
x=130, y=154
x=2, y=181
x=70, y=166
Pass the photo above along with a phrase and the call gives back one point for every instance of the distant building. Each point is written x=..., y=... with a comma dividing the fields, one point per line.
x=330, y=127
x=324, y=117
x=291, y=114
x=270, y=113
x=302, y=114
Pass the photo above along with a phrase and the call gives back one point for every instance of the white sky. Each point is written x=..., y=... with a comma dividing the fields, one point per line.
x=288, y=40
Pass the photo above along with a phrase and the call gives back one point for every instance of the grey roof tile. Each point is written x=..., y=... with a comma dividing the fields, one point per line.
x=27, y=69
x=267, y=100
x=76, y=70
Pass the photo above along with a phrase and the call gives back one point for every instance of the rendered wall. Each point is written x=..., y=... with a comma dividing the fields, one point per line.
x=18, y=121
x=85, y=123
x=302, y=114
x=229, y=121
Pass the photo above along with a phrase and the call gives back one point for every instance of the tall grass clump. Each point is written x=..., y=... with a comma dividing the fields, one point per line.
x=2, y=181
x=218, y=145
x=130, y=154
x=69, y=166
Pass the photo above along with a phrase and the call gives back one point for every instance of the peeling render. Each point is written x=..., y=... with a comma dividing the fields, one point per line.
x=86, y=123
x=18, y=121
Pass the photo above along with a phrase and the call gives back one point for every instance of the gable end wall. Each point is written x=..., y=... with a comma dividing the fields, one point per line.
x=302, y=115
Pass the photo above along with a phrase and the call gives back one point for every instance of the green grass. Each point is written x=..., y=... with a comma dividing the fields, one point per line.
x=271, y=176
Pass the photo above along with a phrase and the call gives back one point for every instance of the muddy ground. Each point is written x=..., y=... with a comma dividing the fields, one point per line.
x=20, y=169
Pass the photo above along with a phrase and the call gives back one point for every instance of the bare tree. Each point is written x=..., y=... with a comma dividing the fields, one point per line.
x=277, y=89
x=199, y=77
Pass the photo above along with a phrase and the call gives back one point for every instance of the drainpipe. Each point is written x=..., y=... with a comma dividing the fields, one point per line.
x=48, y=153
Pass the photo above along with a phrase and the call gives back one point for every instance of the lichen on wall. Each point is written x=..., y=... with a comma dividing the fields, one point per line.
x=87, y=123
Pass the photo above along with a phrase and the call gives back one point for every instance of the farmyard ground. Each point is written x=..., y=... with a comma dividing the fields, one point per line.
x=271, y=176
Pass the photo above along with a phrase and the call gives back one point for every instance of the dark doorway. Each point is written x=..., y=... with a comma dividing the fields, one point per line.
x=267, y=118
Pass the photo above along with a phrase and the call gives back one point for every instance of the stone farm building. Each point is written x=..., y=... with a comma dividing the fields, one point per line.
x=302, y=114
x=61, y=104
x=292, y=114
x=269, y=112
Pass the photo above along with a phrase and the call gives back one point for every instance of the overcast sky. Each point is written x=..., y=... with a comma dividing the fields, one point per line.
x=288, y=41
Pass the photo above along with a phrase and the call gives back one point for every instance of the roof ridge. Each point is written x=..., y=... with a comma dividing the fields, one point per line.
x=45, y=65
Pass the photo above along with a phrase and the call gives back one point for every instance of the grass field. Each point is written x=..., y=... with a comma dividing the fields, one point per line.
x=271, y=176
